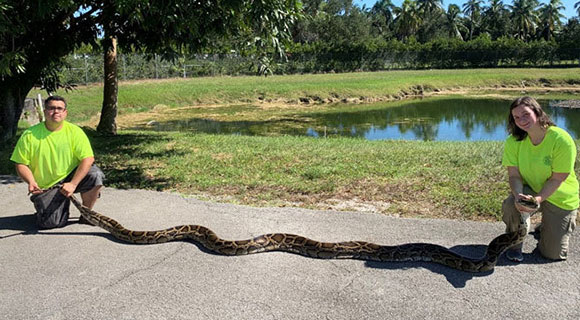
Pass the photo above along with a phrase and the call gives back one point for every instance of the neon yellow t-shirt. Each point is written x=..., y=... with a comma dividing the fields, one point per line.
x=556, y=153
x=51, y=156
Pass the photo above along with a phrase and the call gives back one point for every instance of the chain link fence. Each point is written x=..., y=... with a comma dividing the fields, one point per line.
x=84, y=69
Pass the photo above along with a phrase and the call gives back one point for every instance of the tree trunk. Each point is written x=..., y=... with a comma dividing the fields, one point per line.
x=12, y=97
x=108, y=122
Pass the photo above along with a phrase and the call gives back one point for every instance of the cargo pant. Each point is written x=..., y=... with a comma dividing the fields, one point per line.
x=556, y=228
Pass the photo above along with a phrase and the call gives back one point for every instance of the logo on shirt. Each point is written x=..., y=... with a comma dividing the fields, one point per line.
x=548, y=160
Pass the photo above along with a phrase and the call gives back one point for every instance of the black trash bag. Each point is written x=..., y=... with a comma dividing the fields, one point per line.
x=52, y=209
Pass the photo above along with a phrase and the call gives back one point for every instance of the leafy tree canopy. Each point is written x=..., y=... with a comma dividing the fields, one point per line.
x=35, y=35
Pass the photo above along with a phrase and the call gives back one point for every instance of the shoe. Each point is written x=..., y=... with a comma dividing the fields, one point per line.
x=515, y=253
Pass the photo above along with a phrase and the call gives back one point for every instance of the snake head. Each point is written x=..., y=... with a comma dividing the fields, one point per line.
x=530, y=202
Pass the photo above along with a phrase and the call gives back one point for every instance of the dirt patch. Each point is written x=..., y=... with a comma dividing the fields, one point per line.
x=571, y=104
x=355, y=204
x=399, y=199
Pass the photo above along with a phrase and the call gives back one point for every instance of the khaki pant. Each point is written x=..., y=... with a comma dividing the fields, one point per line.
x=557, y=226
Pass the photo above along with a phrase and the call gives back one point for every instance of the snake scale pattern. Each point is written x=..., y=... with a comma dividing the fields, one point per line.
x=311, y=248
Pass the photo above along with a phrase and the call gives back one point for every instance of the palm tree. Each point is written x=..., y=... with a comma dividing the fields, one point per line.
x=472, y=9
x=524, y=17
x=408, y=20
x=383, y=15
x=494, y=19
x=453, y=22
x=431, y=12
x=577, y=6
x=384, y=8
x=551, y=17
x=430, y=6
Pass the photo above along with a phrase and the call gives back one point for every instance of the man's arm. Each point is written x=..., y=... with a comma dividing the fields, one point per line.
x=69, y=188
x=26, y=174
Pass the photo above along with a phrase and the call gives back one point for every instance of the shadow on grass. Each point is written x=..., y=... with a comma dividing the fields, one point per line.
x=7, y=166
x=113, y=155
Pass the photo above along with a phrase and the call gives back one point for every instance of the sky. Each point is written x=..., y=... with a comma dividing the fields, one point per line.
x=569, y=4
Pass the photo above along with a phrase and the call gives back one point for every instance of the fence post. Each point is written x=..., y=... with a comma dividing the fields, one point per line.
x=155, y=63
x=86, y=70
x=123, y=63
x=40, y=107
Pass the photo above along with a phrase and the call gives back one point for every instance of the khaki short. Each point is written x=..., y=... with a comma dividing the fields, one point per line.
x=557, y=226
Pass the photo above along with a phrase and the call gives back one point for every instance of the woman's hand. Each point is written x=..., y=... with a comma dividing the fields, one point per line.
x=527, y=198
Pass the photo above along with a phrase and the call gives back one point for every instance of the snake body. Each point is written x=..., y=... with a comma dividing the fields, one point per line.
x=310, y=248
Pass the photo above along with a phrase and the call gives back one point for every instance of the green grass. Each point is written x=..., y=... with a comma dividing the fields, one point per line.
x=137, y=96
x=436, y=179
x=463, y=180
x=460, y=180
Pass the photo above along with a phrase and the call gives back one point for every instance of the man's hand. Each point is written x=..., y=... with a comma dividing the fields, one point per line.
x=26, y=174
x=33, y=188
x=68, y=188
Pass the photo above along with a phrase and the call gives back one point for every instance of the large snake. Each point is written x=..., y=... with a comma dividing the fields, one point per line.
x=311, y=248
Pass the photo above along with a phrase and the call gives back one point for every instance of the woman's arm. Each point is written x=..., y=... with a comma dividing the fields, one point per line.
x=517, y=188
x=551, y=185
x=515, y=181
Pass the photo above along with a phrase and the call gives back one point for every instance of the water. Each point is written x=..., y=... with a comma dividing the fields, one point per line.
x=448, y=119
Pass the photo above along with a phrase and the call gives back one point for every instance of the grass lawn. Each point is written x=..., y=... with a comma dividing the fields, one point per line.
x=411, y=178
x=459, y=180
x=139, y=96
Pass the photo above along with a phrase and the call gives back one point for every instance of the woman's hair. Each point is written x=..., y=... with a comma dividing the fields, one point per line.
x=543, y=119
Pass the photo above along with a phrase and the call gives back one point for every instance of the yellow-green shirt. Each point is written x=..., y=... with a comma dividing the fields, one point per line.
x=556, y=153
x=51, y=156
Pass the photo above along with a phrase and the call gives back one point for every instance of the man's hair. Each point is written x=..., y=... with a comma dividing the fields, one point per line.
x=543, y=119
x=55, y=98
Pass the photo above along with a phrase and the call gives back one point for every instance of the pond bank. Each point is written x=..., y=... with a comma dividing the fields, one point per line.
x=414, y=92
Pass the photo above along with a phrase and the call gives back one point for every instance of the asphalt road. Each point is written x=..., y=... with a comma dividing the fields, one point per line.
x=81, y=272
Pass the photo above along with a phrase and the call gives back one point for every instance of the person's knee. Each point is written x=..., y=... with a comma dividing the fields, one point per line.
x=94, y=192
x=553, y=247
x=508, y=208
x=96, y=174
x=556, y=255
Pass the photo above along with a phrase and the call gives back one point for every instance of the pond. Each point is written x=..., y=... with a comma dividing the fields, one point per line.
x=435, y=119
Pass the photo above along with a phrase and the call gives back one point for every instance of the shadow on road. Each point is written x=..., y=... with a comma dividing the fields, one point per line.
x=9, y=179
x=25, y=225
x=458, y=278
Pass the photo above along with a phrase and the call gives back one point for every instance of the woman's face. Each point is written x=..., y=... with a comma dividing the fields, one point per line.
x=524, y=117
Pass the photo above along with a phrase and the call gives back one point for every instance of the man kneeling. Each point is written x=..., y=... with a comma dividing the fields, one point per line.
x=55, y=159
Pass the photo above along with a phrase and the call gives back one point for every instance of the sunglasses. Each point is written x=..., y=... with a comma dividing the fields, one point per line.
x=55, y=109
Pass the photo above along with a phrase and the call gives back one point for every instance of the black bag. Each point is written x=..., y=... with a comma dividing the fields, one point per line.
x=52, y=209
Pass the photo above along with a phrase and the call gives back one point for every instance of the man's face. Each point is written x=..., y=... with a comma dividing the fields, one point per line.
x=55, y=111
